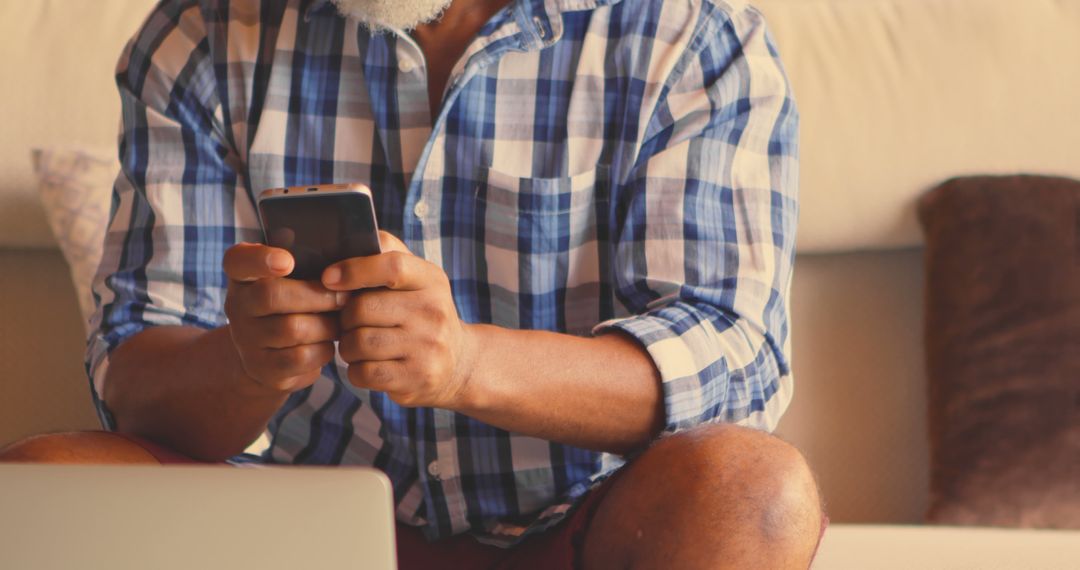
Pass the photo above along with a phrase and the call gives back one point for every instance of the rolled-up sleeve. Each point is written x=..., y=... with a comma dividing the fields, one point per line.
x=177, y=197
x=703, y=256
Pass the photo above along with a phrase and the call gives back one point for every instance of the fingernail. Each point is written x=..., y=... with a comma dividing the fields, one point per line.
x=278, y=261
x=331, y=276
x=341, y=297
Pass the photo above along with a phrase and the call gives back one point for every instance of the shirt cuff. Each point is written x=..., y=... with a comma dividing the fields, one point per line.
x=684, y=348
x=98, y=350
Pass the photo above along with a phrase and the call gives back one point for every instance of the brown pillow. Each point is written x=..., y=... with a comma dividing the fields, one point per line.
x=1003, y=351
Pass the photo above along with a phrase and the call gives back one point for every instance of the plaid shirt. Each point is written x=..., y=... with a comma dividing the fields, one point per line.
x=596, y=164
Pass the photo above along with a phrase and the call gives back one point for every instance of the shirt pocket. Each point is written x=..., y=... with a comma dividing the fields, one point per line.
x=545, y=249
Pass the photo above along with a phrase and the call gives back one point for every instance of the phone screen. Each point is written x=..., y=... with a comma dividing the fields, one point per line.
x=320, y=229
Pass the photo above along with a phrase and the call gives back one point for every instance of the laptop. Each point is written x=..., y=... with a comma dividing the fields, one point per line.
x=120, y=517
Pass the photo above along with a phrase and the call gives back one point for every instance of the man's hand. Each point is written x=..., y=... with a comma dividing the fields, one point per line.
x=401, y=333
x=283, y=329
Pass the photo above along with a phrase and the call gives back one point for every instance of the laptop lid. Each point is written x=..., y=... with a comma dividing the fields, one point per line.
x=119, y=517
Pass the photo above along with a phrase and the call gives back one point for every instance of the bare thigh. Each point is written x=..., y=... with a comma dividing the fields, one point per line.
x=80, y=447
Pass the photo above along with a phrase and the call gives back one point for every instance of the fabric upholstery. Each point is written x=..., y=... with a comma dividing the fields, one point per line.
x=915, y=547
x=1003, y=351
x=41, y=346
x=58, y=67
x=895, y=96
x=859, y=409
x=898, y=95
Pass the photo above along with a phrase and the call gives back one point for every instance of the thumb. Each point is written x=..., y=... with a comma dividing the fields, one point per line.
x=246, y=262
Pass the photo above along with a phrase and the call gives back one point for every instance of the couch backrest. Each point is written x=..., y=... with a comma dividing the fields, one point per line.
x=899, y=95
x=896, y=95
x=59, y=57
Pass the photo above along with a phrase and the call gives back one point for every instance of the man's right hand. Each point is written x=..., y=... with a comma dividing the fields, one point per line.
x=283, y=329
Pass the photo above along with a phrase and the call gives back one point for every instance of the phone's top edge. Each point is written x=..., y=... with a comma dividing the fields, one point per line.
x=293, y=191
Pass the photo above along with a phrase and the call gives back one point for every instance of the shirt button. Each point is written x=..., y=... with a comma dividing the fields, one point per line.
x=420, y=209
x=406, y=65
x=540, y=29
x=433, y=470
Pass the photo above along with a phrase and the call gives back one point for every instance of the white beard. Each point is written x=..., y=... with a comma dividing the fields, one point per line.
x=398, y=14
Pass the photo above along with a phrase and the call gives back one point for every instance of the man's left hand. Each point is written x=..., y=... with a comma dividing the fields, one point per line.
x=401, y=333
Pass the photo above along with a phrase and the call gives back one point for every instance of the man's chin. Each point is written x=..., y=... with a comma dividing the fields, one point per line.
x=392, y=14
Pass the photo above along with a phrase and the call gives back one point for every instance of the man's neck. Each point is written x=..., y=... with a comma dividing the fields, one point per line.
x=462, y=18
x=444, y=40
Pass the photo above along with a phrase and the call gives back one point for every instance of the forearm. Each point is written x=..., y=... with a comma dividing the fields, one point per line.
x=601, y=393
x=186, y=388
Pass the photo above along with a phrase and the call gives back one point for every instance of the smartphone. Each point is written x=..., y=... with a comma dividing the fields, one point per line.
x=319, y=225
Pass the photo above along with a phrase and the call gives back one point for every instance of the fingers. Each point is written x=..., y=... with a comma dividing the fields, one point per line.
x=284, y=331
x=381, y=376
x=281, y=328
x=375, y=308
x=282, y=296
x=396, y=270
x=277, y=364
x=374, y=344
x=397, y=380
x=246, y=262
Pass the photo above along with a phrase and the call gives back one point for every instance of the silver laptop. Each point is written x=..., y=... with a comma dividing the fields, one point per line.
x=194, y=517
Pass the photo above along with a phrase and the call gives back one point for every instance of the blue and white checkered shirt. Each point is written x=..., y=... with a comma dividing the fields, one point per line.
x=596, y=164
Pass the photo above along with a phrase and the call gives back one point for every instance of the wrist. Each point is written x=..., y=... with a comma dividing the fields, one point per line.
x=468, y=394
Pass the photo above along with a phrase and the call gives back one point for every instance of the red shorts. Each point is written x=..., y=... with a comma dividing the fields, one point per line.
x=558, y=547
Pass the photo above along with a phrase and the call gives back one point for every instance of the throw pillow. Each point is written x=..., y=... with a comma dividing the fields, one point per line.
x=1003, y=351
x=75, y=186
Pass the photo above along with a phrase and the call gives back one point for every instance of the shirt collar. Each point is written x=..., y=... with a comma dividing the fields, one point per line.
x=548, y=11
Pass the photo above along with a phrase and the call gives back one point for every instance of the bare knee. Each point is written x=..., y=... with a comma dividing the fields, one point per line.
x=767, y=478
x=76, y=447
x=716, y=496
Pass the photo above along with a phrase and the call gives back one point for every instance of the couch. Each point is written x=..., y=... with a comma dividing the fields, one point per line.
x=895, y=96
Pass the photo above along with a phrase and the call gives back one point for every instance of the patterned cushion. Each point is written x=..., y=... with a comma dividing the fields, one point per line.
x=75, y=186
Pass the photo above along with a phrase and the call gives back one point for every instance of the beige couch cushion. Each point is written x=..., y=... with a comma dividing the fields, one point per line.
x=63, y=53
x=859, y=409
x=847, y=547
x=899, y=95
x=41, y=344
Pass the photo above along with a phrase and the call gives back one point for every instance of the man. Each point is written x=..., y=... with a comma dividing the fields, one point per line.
x=590, y=214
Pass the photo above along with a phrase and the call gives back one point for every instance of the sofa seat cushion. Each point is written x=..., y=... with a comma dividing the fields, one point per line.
x=887, y=547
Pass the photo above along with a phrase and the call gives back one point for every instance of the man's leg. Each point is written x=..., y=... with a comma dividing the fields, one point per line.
x=78, y=447
x=713, y=497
